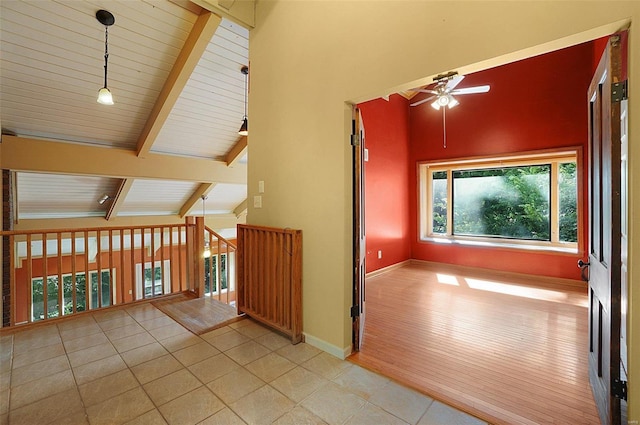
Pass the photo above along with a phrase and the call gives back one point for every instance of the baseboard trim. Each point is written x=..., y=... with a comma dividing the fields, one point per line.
x=387, y=269
x=547, y=280
x=341, y=353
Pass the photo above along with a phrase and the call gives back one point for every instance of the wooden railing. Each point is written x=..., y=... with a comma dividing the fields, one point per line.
x=64, y=271
x=269, y=263
x=55, y=273
x=219, y=267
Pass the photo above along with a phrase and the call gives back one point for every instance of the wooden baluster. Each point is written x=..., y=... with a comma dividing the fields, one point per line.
x=142, y=262
x=132, y=253
x=60, y=283
x=180, y=261
x=162, y=276
x=74, y=301
x=44, y=276
x=228, y=273
x=112, y=299
x=218, y=268
x=12, y=280
x=121, y=298
x=29, y=276
x=295, y=259
x=99, y=265
x=171, y=263
x=280, y=284
x=87, y=276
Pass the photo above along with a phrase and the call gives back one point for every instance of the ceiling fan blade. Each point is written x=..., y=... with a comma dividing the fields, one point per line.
x=471, y=90
x=420, y=102
x=453, y=82
x=424, y=91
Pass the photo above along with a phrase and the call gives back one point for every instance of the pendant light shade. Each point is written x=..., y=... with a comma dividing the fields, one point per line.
x=104, y=96
x=107, y=19
x=244, y=128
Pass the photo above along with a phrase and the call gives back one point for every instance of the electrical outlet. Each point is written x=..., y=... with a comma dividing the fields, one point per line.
x=261, y=186
x=257, y=201
x=379, y=254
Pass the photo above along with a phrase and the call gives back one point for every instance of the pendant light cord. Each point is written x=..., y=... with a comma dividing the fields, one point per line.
x=106, y=53
x=246, y=77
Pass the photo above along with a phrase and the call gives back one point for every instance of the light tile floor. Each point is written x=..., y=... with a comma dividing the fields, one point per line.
x=138, y=366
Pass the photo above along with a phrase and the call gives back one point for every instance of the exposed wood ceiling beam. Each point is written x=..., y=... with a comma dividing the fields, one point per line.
x=237, y=151
x=242, y=12
x=195, y=45
x=118, y=201
x=35, y=155
x=215, y=221
x=241, y=209
x=190, y=6
x=203, y=189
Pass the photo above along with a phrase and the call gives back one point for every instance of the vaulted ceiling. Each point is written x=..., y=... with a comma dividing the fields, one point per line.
x=171, y=137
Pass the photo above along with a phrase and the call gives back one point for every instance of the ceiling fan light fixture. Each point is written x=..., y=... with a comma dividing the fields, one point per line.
x=452, y=102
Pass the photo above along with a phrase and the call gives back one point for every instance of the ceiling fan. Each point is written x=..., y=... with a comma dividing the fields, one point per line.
x=445, y=89
x=443, y=93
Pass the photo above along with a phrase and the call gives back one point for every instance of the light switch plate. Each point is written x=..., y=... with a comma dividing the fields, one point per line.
x=257, y=201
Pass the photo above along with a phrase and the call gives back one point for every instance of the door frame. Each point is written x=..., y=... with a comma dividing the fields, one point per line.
x=358, y=235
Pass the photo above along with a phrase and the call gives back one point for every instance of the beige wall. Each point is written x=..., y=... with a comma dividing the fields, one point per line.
x=310, y=57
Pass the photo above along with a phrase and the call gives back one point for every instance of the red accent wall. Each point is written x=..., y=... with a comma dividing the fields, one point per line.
x=537, y=103
x=387, y=188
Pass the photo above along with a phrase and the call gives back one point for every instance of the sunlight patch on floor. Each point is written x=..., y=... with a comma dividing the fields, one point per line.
x=516, y=290
x=447, y=279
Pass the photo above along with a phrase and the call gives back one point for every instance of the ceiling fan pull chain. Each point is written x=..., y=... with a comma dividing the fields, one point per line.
x=444, y=127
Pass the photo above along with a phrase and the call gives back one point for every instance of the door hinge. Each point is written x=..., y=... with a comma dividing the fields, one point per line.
x=355, y=311
x=619, y=91
x=619, y=389
x=355, y=140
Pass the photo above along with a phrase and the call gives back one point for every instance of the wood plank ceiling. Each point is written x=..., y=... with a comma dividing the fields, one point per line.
x=171, y=135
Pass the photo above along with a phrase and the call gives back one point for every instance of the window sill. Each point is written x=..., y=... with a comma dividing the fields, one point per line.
x=506, y=245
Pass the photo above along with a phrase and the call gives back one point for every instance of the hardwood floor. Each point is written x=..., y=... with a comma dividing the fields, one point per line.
x=199, y=315
x=510, y=351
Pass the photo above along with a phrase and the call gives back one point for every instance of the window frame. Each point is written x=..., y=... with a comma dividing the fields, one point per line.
x=553, y=157
x=88, y=288
x=141, y=283
x=229, y=281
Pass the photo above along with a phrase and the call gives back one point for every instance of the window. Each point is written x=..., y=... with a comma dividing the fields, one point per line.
x=524, y=201
x=153, y=282
x=211, y=274
x=37, y=294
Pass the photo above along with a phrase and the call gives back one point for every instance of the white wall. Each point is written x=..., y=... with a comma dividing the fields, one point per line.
x=310, y=57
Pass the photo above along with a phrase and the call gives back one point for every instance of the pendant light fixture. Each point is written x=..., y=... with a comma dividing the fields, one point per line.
x=244, y=128
x=207, y=250
x=105, y=18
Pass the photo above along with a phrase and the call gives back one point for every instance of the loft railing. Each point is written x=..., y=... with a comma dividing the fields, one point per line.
x=60, y=272
x=219, y=267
